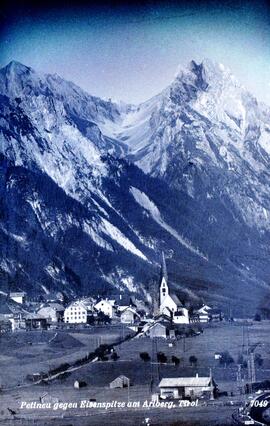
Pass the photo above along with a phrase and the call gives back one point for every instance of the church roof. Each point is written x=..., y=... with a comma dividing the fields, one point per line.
x=179, y=314
x=176, y=300
x=163, y=317
x=163, y=268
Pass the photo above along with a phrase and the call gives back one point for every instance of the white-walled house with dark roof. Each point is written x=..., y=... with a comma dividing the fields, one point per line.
x=106, y=306
x=76, y=313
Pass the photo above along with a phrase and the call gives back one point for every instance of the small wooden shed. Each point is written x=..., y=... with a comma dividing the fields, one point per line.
x=78, y=384
x=120, y=382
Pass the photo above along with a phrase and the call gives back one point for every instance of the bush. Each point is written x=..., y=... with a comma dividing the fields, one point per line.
x=102, y=318
x=257, y=317
x=161, y=357
x=145, y=356
x=91, y=320
x=226, y=358
x=102, y=349
x=103, y=358
x=62, y=367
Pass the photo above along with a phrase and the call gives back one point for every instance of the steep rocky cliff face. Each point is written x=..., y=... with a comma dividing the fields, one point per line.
x=92, y=191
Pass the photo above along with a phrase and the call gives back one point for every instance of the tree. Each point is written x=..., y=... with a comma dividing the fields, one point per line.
x=257, y=317
x=114, y=356
x=161, y=357
x=91, y=320
x=102, y=318
x=226, y=358
x=175, y=360
x=258, y=360
x=240, y=359
x=193, y=360
x=145, y=356
x=103, y=358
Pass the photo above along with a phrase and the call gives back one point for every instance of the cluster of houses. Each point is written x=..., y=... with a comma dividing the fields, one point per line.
x=53, y=312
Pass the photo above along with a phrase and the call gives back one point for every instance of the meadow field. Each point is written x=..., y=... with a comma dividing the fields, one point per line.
x=23, y=353
x=144, y=375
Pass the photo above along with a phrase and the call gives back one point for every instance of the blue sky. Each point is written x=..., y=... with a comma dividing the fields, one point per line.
x=133, y=54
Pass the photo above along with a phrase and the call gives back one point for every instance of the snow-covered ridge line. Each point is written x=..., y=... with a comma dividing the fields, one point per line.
x=142, y=199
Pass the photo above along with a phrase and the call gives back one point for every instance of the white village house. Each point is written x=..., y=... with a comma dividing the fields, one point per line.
x=76, y=313
x=169, y=303
x=188, y=387
x=129, y=315
x=18, y=296
x=106, y=306
x=204, y=313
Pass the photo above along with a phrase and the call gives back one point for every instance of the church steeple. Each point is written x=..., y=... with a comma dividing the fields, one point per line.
x=163, y=289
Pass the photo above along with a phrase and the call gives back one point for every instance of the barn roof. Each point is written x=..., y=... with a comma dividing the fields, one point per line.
x=121, y=377
x=185, y=381
x=55, y=306
x=158, y=324
x=34, y=316
x=128, y=308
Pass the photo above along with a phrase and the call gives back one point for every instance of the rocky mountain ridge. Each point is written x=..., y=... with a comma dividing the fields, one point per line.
x=97, y=189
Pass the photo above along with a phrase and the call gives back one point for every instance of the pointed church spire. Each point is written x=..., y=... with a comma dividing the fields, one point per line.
x=164, y=268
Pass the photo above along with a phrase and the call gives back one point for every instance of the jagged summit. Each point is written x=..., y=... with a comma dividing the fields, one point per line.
x=207, y=76
x=16, y=66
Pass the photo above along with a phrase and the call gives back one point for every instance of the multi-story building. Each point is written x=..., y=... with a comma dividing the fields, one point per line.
x=76, y=313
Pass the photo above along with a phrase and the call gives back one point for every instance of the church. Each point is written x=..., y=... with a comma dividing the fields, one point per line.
x=169, y=304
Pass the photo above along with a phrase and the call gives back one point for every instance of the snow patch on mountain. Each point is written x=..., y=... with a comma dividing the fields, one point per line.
x=101, y=209
x=144, y=201
x=19, y=238
x=264, y=139
x=89, y=229
x=113, y=232
x=44, y=288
